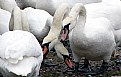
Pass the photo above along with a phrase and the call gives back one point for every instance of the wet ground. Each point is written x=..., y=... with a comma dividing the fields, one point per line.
x=59, y=69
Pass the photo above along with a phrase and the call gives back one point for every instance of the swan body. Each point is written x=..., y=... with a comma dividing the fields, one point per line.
x=18, y=49
x=95, y=43
x=7, y=5
x=110, y=8
x=51, y=6
x=21, y=54
x=92, y=38
x=39, y=22
x=4, y=21
x=96, y=39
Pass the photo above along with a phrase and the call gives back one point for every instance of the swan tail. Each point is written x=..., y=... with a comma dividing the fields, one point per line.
x=24, y=67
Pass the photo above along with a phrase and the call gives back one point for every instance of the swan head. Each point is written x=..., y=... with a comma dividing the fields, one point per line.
x=66, y=28
x=66, y=58
x=78, y=12
x=63, y=54
x=49, y=42
x=68, y=61
x=45, y=48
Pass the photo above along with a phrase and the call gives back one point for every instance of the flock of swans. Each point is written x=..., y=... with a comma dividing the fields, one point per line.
x=30, y=28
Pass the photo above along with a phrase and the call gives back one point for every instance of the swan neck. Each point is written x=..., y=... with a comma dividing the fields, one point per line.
x=18, y=20
x=78, y=14
x=25, y=23
x=59, y=15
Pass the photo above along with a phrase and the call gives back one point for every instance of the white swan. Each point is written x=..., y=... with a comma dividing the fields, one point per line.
x=20, y=49
x=21, y=54
x=52, y=39
x=26, y=3
x=4, y=21
x=51, y=5
x=90, y=37
x=7, y=5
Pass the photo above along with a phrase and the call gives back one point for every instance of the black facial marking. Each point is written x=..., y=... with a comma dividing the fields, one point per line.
x=66, y=27
x=46, y=44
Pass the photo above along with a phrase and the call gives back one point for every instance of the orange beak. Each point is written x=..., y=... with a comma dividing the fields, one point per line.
x=69, y=62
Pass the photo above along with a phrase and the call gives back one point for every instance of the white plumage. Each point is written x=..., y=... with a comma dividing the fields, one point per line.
x=39, y=22
x=95, y=27
x=92, y=35
x=21, y=54
x=4, y=21
x=110, y=10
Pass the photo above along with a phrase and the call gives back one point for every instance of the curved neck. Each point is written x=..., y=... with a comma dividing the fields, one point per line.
x=59, y=15
x=78, y=14
x=15, y=20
